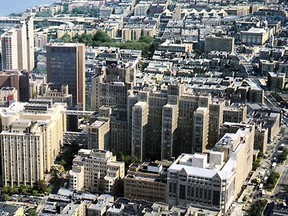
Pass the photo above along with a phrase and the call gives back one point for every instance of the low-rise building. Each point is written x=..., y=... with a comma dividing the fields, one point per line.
x=146, y=181
x=276, y=81
x=8, y=95
x=254, y=36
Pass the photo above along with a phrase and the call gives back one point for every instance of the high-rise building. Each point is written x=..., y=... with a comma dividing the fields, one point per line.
x=169, y=126
x=215, y=121
x=31, y=137
x=66, y=65
x=18, y=46
x=192, y=180
x=235, y=113
x=29, y=22
x=200, y=129
x=139, y=128
x=9, y=50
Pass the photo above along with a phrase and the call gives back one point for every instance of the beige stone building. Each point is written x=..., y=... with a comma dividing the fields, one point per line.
x=36, y=130
x=170, y=114
x=215, y=121
x=18, y=45
x=99, y=134
x=96, y=171
x=139, y=128
x=200, y=129
x=9, y=50
x=254, y=36
x=235, y=113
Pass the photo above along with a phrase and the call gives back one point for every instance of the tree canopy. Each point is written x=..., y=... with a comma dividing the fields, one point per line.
x=258, y=207
x=147, y=44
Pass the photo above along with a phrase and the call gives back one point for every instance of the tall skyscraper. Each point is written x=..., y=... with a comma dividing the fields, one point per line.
x=66, y=65
x=9, y=50
x=18, y=46
x=30, y=41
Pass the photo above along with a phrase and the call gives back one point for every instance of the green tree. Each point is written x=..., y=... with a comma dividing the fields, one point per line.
x=5, y=197
x=256, y=164
x=272, y=180
x=66, y=38
x=14, y=190
x=40, y=186
x=283, y=155
x=258, y=207
x=6, y=190
x=24, y=189
x=44, y=14
x=101, y=37
x=260, y=155
x=127, y=159
x=34, y=192
x=15, y=15
x=32, y=212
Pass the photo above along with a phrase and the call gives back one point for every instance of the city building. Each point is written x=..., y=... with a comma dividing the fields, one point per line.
x=146, y=181
x=6, y=209
x=18, y=45
x=235, y=113
x=200, y=129
x=31, y=138
x=45, y=92
x=96, y=171
x=66, y=65
x=192, y=180
x=99, y=134
x=215, y=121
x=254, y=36
x=170, y=113
x=224, y=44
x=104, y=201
x=276, y=81
x=9, y=50
x=8, y=95
x=18, y=80
x=139, y=129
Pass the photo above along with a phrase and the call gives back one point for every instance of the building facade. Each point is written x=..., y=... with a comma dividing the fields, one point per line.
x=66, y=65
x=31, y=138
x=96, y=171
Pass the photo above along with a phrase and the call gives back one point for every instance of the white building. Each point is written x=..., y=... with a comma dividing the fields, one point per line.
x=214, y=185
x=192, y=180
x=9, y=50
